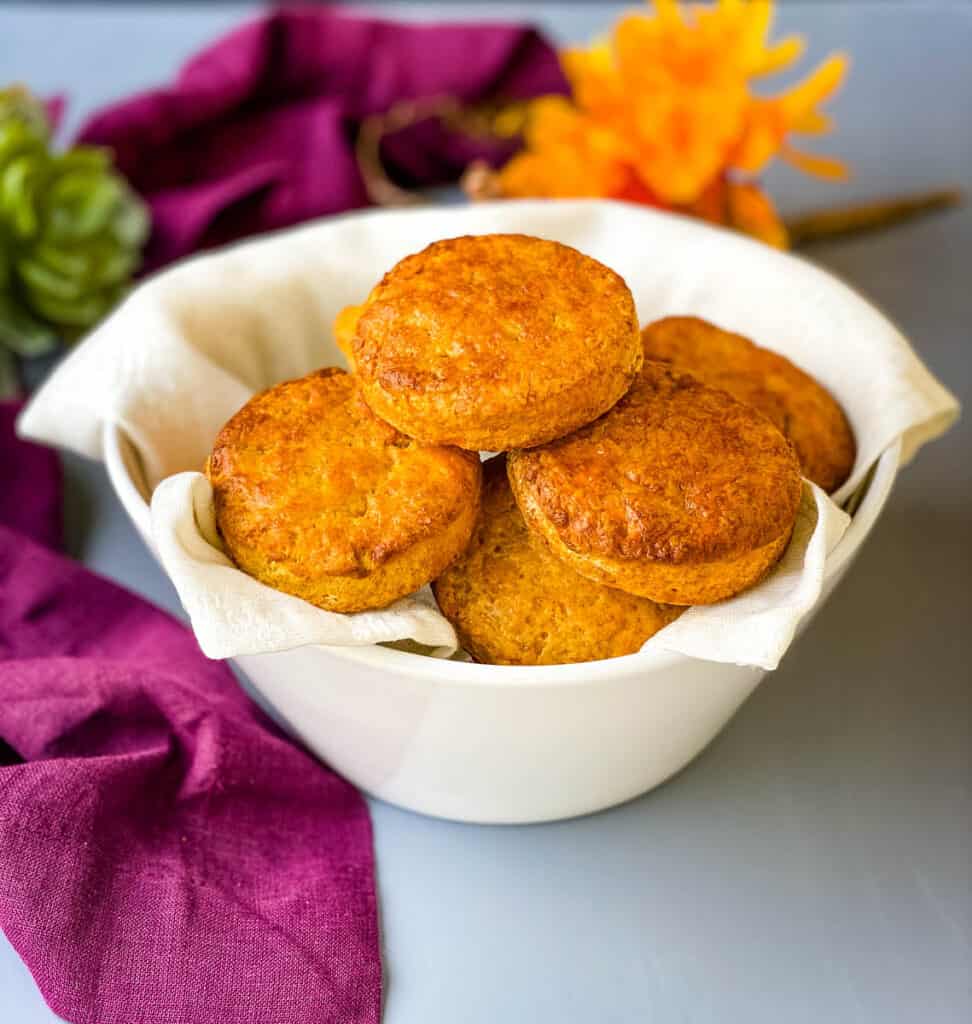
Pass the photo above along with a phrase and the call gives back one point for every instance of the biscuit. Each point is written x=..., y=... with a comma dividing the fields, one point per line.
x=680, y=493
x=345, y=324
x=318, y=497
x=514, y=603
x=493, y=342
x=800, y=407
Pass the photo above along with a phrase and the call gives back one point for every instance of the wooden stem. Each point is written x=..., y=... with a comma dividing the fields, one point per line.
x=820, y=225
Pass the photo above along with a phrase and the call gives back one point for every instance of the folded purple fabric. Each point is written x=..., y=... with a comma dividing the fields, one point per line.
x=30, y=484
x=258, y=130
x=166, y=855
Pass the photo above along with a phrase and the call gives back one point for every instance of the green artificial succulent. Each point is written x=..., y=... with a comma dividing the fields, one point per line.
x=71, y=235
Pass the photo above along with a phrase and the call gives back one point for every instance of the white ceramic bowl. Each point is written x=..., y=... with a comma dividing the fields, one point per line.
x=486, y=743
x=495, y=744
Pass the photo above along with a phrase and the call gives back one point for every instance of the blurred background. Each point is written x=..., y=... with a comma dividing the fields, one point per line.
x=904, y=114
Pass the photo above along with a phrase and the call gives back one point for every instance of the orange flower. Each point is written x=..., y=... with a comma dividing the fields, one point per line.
x=567, y=155
x=663, y=111
x=769, y=123
x=743, y=206
x=751, y=211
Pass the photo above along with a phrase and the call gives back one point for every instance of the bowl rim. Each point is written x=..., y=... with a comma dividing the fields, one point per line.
x=127, y=479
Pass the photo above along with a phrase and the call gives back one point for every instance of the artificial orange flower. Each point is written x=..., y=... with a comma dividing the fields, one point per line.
x=742, y=205
x=663, y=112
x=750, y=210
x=770, y=122
x=566, y=155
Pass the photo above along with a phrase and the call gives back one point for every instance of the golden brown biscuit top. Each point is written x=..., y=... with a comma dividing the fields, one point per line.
x=799, y=406
x=306, y=473
x=491, y=320
x=676, y=472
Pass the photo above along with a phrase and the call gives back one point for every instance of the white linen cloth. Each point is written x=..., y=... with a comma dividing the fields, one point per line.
x=192, y=344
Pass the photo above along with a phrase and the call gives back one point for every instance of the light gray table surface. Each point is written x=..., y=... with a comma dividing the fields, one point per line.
x=814, y=863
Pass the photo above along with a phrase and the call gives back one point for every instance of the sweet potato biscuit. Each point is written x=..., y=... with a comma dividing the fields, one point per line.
x=345, y=324
x=492, y=342
x=318, y=497
x=803, y=409
x=680, y=493
x=514, y=603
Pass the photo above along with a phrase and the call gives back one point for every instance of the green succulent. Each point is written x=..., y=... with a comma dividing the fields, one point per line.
x=71, y=234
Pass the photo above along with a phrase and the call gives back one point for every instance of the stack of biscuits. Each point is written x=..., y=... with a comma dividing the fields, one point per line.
x=639, y=472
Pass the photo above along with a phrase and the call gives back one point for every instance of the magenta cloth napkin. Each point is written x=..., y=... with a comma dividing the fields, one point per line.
x=166, y=855
x=258, y=130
